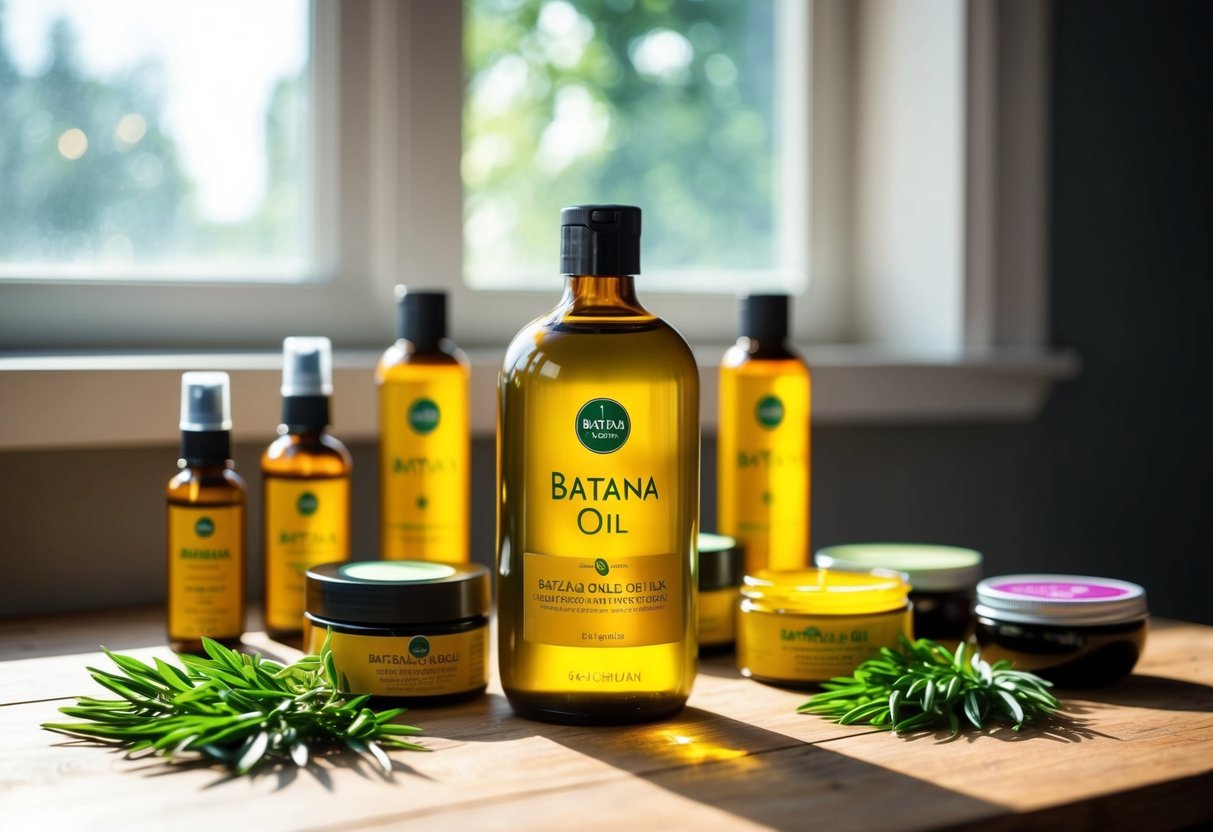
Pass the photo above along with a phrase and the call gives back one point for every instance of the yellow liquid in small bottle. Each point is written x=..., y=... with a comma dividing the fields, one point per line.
x=424, y=454
x=206, y=557
x=598, y=484
x=763, y=456
x=306, y=520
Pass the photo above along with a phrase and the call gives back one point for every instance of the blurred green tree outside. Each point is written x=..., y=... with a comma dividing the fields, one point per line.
x=87, y=175
x=665, y=104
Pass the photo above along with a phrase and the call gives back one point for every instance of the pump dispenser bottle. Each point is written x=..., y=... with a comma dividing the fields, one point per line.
x=306, y=482
x=598, y=490
x=205, y=521
x=763, y=463
x=424, y=436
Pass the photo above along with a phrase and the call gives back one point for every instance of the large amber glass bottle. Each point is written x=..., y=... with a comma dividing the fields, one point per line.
x=763, y=464
x=306, y=477
x=598, y=488
x=206, y=527
x=424, y=436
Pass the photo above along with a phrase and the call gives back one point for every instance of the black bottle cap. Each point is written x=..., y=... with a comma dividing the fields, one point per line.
x=602, y=240
x=305, y=414
x=421, y=317
x=764, y=317
x=206, y=447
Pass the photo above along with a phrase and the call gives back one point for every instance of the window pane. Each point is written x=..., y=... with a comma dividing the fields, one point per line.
x=148, y=139
x=667, y=105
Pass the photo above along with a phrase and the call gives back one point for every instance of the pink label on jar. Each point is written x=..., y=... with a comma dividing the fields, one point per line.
x=1062, y=591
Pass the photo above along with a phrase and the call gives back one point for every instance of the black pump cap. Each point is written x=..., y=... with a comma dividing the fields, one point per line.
x=602, y=240
x=421, y=317
x=764, y=317
x=206, y=447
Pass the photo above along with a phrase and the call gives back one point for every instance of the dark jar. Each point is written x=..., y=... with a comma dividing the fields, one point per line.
x=1075, y=631
x=410, y=631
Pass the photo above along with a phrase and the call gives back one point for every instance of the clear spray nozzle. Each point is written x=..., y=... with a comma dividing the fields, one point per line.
x=206, y=401
x=307, y=366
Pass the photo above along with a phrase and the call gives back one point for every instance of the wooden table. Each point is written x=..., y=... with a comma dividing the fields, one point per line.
x=1138, y=755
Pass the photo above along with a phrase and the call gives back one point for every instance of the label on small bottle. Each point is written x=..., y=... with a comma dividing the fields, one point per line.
x=407, y=665
x=424, y=432
x=602, y=602
x=205, y=571
x=306, y=523
x=764, y=467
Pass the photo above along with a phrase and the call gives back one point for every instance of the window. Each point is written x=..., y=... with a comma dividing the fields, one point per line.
x=675, y=107
x=136, y=147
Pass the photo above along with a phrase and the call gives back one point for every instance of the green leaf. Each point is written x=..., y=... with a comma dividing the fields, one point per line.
x=239, y=710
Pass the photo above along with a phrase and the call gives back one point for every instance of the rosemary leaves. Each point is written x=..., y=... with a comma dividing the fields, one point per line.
x=241, y=710
x=922, y=686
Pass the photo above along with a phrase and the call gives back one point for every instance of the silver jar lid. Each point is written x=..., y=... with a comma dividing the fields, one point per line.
x=1060, y=600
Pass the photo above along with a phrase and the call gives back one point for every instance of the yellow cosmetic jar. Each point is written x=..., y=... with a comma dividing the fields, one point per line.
x=721, y=568
x=802, y=627
x=408, y=630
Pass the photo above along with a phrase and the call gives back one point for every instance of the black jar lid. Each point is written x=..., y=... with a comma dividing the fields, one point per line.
x=392, y=592
x=1060, y=600
x=721, y=562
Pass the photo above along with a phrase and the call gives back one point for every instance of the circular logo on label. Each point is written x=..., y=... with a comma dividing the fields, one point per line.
x=307, y=504
x=419, y=647
x=603, y=425
x=769, y=411
x=424, y=415
x=205, y=527
x=601, y=567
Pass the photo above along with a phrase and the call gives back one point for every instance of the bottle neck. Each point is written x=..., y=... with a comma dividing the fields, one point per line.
x=599, y=296
x=205, y=449
x=305, y=414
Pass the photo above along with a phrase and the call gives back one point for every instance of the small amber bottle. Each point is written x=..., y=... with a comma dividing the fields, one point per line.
x=424, y=436
x=306, y=515
x=763, y=464
x=206, y=499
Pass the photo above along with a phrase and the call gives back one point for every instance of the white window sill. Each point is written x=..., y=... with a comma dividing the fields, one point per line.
x=82, y=401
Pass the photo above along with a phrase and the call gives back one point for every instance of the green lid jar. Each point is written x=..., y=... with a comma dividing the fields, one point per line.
x=942, y=581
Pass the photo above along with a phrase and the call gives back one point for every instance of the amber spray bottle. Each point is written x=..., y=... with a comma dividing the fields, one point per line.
x=306, y=482
x=763, y=461
x=598, y=493
x=206, y=525
x=424, y=436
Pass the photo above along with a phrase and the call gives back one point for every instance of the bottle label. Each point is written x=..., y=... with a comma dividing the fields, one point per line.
x=205, y=571
x=798, y=648
x=764, y=460
x=603, y=601
x=607, y=555
x=718, y=616
x=407, y=665
x=424, y=432
x=306, y=523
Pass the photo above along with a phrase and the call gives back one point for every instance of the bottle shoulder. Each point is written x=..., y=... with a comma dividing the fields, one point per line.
x=604, y=343
x=748, y=358
x=303, y=455
x=400, y=362
x=208, y=485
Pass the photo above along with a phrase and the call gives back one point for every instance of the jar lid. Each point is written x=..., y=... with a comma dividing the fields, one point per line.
x=721, y=561
x=392, y=592
x=1060, y=599
x=827, y=591
x=930, y=568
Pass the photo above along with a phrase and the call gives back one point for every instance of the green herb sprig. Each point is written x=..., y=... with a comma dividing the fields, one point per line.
x=235, y=708
x=922, y=686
